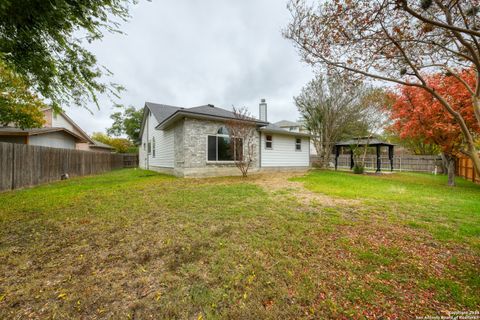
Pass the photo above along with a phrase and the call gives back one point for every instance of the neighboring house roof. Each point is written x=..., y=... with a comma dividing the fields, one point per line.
x=167, y=115
x=362, y=141
x=100, y=145
x=272, y=128
x=11, y=131
x=83, y=133
x=287, y=123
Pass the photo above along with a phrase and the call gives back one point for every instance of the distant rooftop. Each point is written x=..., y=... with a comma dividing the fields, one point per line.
x=287, y=123
x=273, y=128
x=98, y=144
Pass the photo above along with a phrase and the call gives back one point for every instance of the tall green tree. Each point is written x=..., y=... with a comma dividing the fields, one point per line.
x=120, y=145
x=126, y=122
x=43, y=41
x=332, y=109
x=18, y=105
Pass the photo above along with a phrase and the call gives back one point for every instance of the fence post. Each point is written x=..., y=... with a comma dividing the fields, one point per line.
x=473, y=173
x=13, y=167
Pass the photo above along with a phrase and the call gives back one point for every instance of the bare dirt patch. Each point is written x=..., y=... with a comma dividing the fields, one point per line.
x=276, y=182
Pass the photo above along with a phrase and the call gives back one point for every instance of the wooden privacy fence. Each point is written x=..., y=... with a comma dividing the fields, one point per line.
x=419, y=163
x=24, y=165
x=465, y=169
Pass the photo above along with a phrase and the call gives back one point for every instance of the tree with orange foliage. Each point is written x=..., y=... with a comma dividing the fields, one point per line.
x=417, y=114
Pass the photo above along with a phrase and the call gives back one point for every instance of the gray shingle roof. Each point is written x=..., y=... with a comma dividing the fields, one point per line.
x=161, y=111
x=287, y=123
x=98, y=144
x=164, y=112
x=210, y=110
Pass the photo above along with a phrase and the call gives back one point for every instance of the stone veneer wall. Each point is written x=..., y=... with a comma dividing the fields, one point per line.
x=179, y=147
x=194, y=133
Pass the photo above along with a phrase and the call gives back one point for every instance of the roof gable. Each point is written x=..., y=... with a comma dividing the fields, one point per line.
x=74, y=127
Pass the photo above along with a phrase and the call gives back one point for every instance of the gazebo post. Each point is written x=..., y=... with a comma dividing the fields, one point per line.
x=352, y=163
x=390, y=156
x=337, y=151
x=379, y=160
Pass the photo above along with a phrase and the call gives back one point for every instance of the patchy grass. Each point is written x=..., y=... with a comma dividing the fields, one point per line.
x=136, y=244
x=417, y=200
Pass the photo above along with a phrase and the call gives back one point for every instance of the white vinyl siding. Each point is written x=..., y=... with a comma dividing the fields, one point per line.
x=283, y=153
x=164, y=146
x=164, y=149
x=142, y=151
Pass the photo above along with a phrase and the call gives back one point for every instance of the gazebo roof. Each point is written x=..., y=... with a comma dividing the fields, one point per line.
x=363, y=141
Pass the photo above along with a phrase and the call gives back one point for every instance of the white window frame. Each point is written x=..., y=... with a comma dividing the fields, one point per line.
x=267, y=141
x=149, y=147
x=298, y=144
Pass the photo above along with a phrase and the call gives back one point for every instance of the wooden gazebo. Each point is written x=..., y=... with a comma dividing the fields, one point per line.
x=365, y=142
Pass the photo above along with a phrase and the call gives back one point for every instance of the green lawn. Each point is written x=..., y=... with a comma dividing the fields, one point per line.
x=420, y=200
x=136, y=244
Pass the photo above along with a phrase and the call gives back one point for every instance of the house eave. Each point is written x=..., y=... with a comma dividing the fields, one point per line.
x=84, y=135
x=180, y=114
x=285, y=132
x=78, y=138
x=144, y=119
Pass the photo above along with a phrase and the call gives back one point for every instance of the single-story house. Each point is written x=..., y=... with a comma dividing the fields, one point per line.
x=59, y=131
x=194, y=142
x=46, y=137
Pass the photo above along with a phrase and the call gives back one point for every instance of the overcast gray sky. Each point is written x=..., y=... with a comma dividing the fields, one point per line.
x=191, y=52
